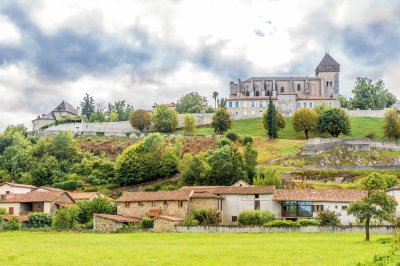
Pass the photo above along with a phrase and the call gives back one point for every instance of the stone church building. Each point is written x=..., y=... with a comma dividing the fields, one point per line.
x=249, y=98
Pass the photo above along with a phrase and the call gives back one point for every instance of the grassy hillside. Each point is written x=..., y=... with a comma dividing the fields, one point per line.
x=254, y=127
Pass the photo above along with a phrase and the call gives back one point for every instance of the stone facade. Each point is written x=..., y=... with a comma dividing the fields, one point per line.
x=161, y=225
x=101, y=224
x=203, y=203
x=140, y=209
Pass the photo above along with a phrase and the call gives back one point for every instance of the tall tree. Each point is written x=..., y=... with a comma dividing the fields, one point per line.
x=140, y=119
x=391, y=125
x=270, y=120
x=190, y=103
x=189, y=123
x=376, y=205
x=369, y=95
x=306, y=120
x=215, y=97
x=335, y=121
x=121, y=108
x=164, y=119
x=221, y=121
x=88, y=106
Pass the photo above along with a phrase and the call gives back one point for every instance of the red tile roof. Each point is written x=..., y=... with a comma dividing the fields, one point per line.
x=119, y=218
x=17, y=185
x=83, y=195
x=22, y=218
x=204, y=195
x=177, y=195
x=225, y=190
x=155, y=212
x=36, y=196
x=328, y=195
x=170, y=218
x=50, y=188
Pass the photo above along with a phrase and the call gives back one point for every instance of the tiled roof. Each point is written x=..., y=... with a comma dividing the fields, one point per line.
x=220, y=190
x=178, y=195
x=170, y=218
x=204, y=195
x=22, y=218
x=49, y=189
x=82, y=195
x=65, y=107
x=36, y=196
x=328, y=195
x=328, y=61
x=154, y=212
x=119, y=218
x=17, y=185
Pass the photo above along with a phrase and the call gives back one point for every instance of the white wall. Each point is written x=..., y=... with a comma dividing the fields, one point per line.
x=7, y=205
x=396, y=195
x=345, y=219
x=13, y=190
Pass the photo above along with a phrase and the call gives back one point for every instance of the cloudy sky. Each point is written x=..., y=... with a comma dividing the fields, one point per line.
x=155, y=51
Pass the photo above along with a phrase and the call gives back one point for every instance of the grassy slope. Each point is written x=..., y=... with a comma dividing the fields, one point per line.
x=25, y=248
x=254, y=127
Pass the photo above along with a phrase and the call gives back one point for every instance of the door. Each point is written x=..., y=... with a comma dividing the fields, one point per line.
x=11, y=210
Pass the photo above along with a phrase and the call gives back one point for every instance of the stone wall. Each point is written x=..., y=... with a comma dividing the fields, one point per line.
x=380, y=230
x=140, y=209
x=202, y=203
x=101, y=224
x=161, y=225
x=366, y=113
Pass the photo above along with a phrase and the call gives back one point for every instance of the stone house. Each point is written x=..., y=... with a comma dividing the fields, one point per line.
x=64, y=109
x=79, y=196
x=14, y=188
x=111, y=222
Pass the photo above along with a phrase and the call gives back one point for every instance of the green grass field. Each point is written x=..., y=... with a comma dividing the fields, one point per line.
x=39, y=248
x=254, y=127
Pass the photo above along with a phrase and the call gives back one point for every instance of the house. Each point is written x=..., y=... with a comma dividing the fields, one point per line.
x=47, y=202
x=395, y=193
x=64, y=109
x=14, y=188
x=111, y=222
x=306, y=203
x=80, y=196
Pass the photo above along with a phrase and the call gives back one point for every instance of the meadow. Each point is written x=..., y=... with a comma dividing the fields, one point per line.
x=55, y=248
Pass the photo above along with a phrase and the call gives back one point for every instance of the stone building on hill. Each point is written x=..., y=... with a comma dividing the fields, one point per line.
x=249, y=98
x=64, y=109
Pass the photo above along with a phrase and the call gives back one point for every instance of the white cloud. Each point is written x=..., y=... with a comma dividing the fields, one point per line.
x=9, y=33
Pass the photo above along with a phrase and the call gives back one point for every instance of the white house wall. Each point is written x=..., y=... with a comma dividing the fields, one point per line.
x=14, y=190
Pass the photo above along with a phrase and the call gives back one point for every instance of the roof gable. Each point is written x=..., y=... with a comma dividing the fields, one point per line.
x=36, y=196
x=65, y=107
x=328, y=60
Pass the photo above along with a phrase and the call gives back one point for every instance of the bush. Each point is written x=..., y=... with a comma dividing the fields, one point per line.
x=189, y=123
x=267, y=177
x=86, y=209
x=233, y=136
x=190, y=221
x=328, y=218
x=280, y=223
x=65, y=218
x=69, y=185
x=370, y=135
x=164, y=119
x=39, y=220
x=308, y=222
x=3, y=211
x=221, y=121
x=13, y=224
x=146, y=223
x=247, y=140
x=224, y=141
x=255, y=217
x=206, y=216
x=140, y=119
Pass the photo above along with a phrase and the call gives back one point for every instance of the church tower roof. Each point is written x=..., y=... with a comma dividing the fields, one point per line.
x=65, y=107
x=327, y=64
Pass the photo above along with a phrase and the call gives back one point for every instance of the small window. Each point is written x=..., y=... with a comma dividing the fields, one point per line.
x=256, y=196
x=304, y=105
x=140, y=204
x=335, y=206
x=318, y=208
x=127, y=204
x=298, y=87
x=180, y=204
x=165, y=202
x=344, y=207
x=7, y=192
x=282, y=89
x=237, y=104
x=327, y=83
x=257, y=93
x=234, y=219
x=330, y=83
x=230, y=104
x=247, y=93
x=310, y=105
x=153, y=204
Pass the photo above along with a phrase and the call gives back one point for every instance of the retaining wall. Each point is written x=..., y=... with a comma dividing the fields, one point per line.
x=379, y=230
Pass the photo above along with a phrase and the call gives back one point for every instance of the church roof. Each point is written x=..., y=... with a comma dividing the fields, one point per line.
x=328, y=61
x=65, y=107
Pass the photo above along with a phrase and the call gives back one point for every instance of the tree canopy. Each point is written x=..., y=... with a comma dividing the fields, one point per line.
x=391, y=125
x=140, y=119
x=306, y=120
x=335, y=121
x=88, y=106
x=221, y=121
x=164, y=119
x=371, y=95
x=190, y=103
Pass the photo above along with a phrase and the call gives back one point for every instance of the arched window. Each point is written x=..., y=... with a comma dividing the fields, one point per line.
x=268, y=92
x=282, y=89
x=247, y=93
x=298, y=87
x=257, y=93
x=327, y=83
x=330, y=83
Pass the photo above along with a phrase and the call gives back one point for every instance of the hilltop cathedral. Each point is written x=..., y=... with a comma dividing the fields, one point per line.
x=250, y=97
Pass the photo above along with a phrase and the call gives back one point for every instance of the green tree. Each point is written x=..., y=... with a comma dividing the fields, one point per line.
x=334, y=121
x=221, y=121
x=189, y=123
x=320, y=109
x=86, y=209
x=344, y=102
x=88, y=106
x=250, y=160
x=190, y=103
x=328, y=218
x=270, y=120
x=66, y=218
x=113, y=117
x=121, y=108
x=305, y=120
x=21, y=128
x=376, y=205
x=193, y=170
x=140, y=119
x=164, y=119
x=267, y=177
x=215, y=97
x=391, y=125
x=369, y=95
x=99, y=115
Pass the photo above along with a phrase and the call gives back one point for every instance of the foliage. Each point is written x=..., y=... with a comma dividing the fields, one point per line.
x=21, y=128
x=267, y=177
x=164, y=119
x=223, y=141
x=328, y=218
x=146, y=223
x=247, y=140
x=99, y=115
x=13, y=224
x=369, y=95
x=282, y=223
x=140, y=119
x=306, y=120
x=370, y=135
x=391, y=257
x=270, y=121
x=391, y=125
x=120, y=111
x=250, y=161
x=320, y=109
x=193, y=170
x=334, y=121
x=309, y=222
x=39, y=220
x=189, y=123
x=190, y=103
x=70, y=185
x=215, y=97
x=344, y=102
x=189, y=220
x=3, y=211
x=233, y=136
x=206, y=216
x=221, y=121
x=255, y=217
x=88, y=106
x=99, y=205
x=65, y=218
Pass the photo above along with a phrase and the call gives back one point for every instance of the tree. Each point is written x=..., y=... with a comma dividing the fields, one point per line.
x=99, y=115
x=391, y=125
x=250, y=160
x=344, y=102
x=113, y=117
x=221, y=121
x=86, y=209
x=88, y=106
x=273, y=120
x=190, y=103
x=320, y=109
x=121, y=108
x=21, y=128
x=369, y=95
x=334, y=121
x=140, y=119
x=193, y=170
x=164, y=119
x=306, y=120
x=189, y=123
x=328, y=218
x=376, y=205
x=222, y=103
x=215, y=97
x=267, y=177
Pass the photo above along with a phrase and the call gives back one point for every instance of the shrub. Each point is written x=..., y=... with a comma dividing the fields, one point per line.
x=370, y=135
x=308, y=222
x=189, y=123
x=221, y=121
x=13, y=224
x=223, y=142
x=190, y=221
x=39, y=220
x=86, y=209
x=233, y=136
x=65, y=218
x=328, y=218
x=206, y=216
x=255, y=217
x=280, y=223
x=69, y=185
x=267, y=177
x=140, y=119
x=146, y=223
x=3, y=211
x=164, y=119
x=247, y=140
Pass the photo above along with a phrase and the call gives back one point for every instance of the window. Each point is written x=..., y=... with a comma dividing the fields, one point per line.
x=7, y=192
x=11, y=210
x=127, y=204
x=140, y=204
x=253, y=104
x=298, y=105
x=318, y=208
x=298, y=87
x=237, y=104
x=310, y=105
x=304, y=105
x=256, y=196
x=330, y=83
x=247, y=93
x=327, y=83
x=234, y=219
x=297, y=209
x=282, y=89
x=344, y=207
x=257, y=93
x=180, y=204
x=230, y=104
x=335, y=206
x=165, y=202
x=260, y=104
x=153, y=204
x=256, y=204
